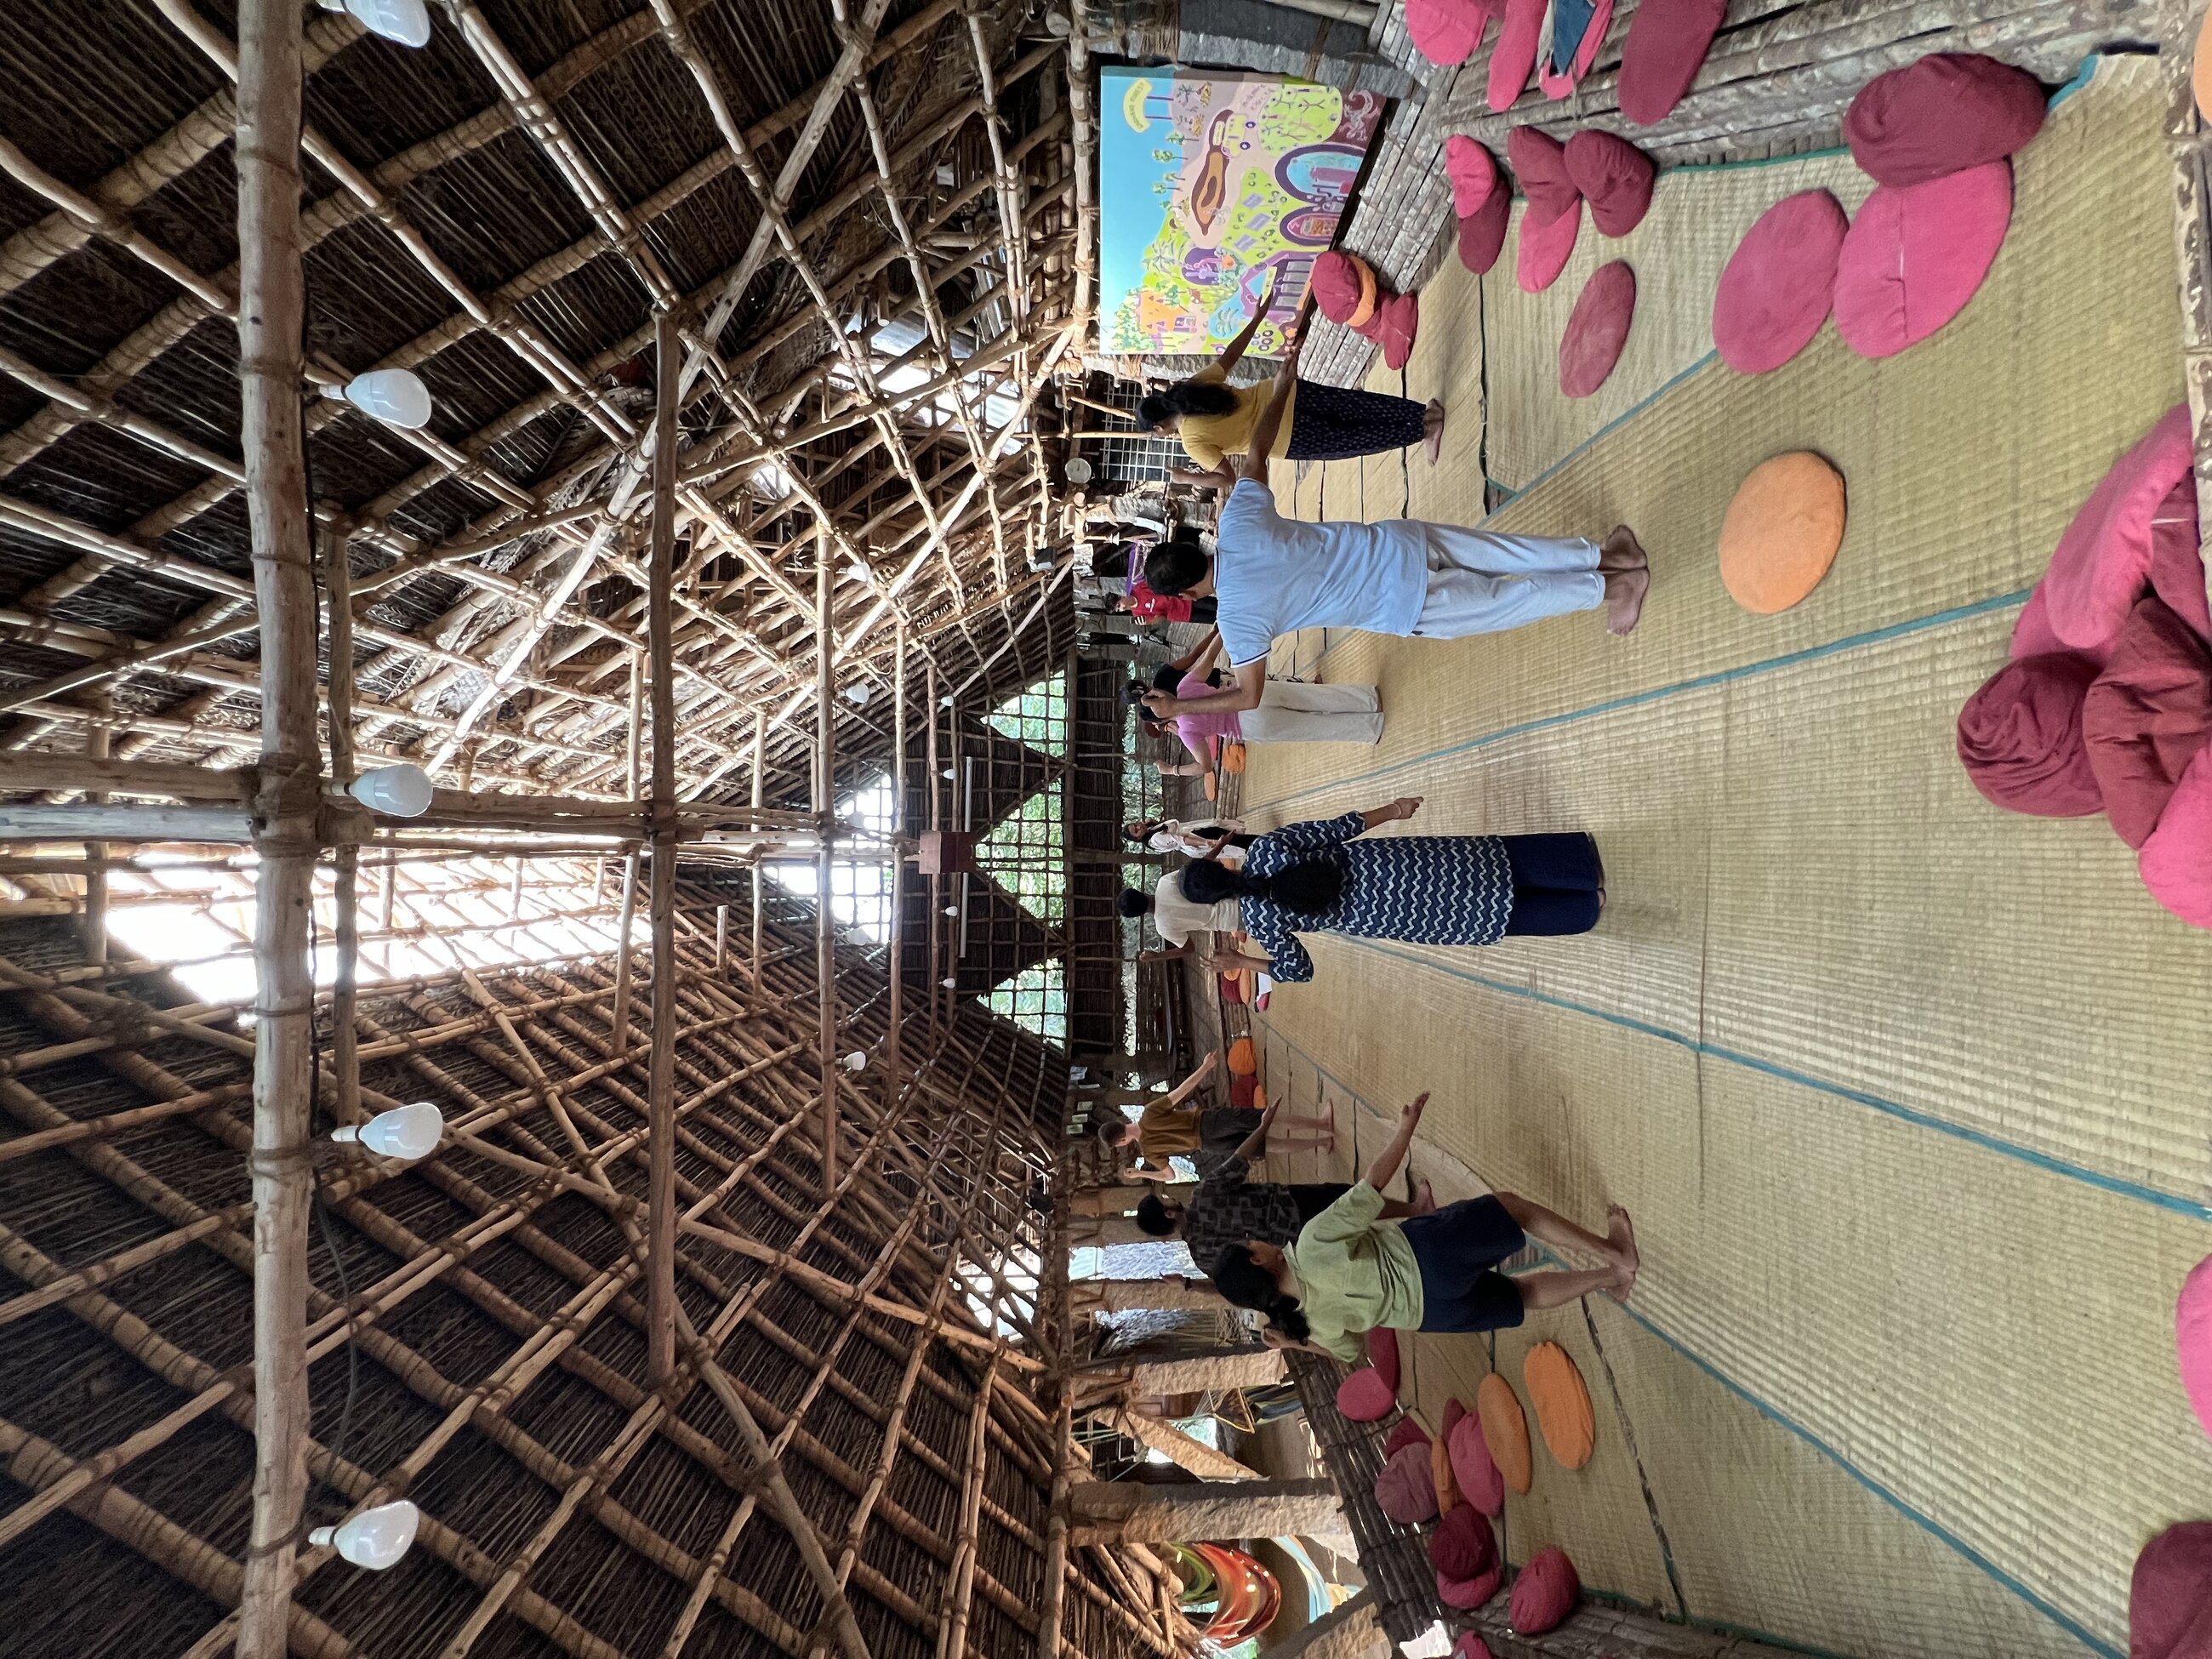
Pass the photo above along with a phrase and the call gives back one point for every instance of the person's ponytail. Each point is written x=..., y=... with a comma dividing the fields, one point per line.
x=1310, y=888
x=1245, y=1284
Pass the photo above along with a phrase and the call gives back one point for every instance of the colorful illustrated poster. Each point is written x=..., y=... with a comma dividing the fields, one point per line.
x=1211, y=185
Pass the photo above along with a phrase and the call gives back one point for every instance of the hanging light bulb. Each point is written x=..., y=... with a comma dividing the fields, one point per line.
x=948, y=775
x=403, y=22
x=399, y=792
x=945, y=702
x=407, y=1132
x=396, y=396
x=374, y=1539
x=949, y=984
x=858, y=573
x=855, y=1061
x=951, y=910
x=858, y=694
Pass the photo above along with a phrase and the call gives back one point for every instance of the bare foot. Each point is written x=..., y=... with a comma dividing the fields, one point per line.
x=1624, y=600
x=1425, y=1201
x=1622, y=551
x=1432, y=431
x=1620, y=1233
x=1624, y=1283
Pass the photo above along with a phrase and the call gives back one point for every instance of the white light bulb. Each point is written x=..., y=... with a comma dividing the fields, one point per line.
x=948, y=775
x=399, y=792
x=855, y=1061
x=949, y=984
x=945, y=702
x=406, y=1131
x=857, y=572
x=403, y=22
x=858, y=694
x=951, y=910
x=374, y=1539
x=393, y=395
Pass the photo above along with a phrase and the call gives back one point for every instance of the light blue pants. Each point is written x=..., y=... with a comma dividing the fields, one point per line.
x=1482, y=581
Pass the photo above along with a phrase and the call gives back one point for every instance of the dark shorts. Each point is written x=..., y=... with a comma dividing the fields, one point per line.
x=1312, y=1197
x=1459, y=1248
x=1223, y=1129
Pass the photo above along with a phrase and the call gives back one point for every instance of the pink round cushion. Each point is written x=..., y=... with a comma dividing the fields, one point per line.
x=1667, y=42
x=1544, y=1594
x=1916, y=254
x=1482, y=232
x=1598, y=329
x=1473, y=1468
x=2177, y=568
x=1383, y=1354
x=1514, y=54
x=1405, y=1490
x=1780, y=282
x=1545, y=248
x=1557, y=85
x=2176, y=862
x=2146, y=717
x=2019, y=738
x=1400, y=318
x=2170, y=1596
x=1539, y=167
x=1336, y=285
x=1409, y=1432
x=2102, y=564
x=1473, y=171
x=1949, y=112
x=1364, y=1397
x=2192, y=1338
x=1465, y=1595
x=1446, y=31
x=1615, y=178
x=1462, y=1545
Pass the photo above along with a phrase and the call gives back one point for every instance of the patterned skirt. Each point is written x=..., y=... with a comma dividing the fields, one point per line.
x=1336, y=422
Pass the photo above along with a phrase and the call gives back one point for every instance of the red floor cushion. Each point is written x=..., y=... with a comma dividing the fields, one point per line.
x=1465, y=1595
x=1545, y=1593
x=1667, y=39
x=1364, y=1397
x=1545, y=248
x=1336, y=285
x=1482, y=232
x=1401, y=319
x=1382, y=1354
x=1613, y=176
x=1780, y=284
x=1473, y=171
x=2033, y=637
x=1446, y=31
x=1514, y=54
x=1598, y=329
x=2177, y=568
x=1540, y=168
x=1916, y=254
x=2192, y=1338
x=2146, y=717
x=1559, y=83
x=1471, y=1645
x=1505, y=1432
x=2176, y=862
x=1409, y=1432
x=1948, y=112
x=1473, y=1468
x=2170, y=1597
x=1463, y=1544
x=1404, y=1490
x=2103, y=560
x=2019, y=738
x=1243, y=1092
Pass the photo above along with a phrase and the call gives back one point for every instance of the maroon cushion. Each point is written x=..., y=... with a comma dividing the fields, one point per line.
x=2019, y=737
x=1244, y=1092
x=1916, y=253
x=1547, y=245
x=1539, y=167
x=1471, y=1645
x=1473, y=171
x=2170, y=1599
x=1615, y=178
x=1409, y=1432
x=1544, y=1594
x=2177, y=568
x=1465, y=1595
x=1463, y=1546
x=1515, y=54
x=2146, y=717
x=1949, y=112
x=1400, y=318
x=2103, y=560
x=1405, y=1490
x=1482, y=232
x=1666, y=41
x=1336, y=285
x=1598, y=329
x=1446, y=31
x=1780, y=282
x=1364, y=1397
x=1382, y=1354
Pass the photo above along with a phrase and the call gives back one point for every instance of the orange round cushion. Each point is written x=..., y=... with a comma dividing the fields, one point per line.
x=1232, y=758
x=1364, y=308
x=2200, y=68
x=1259, y=1097
x=1562, y=1403
x=1782, y=531
x=1505, y=1432
x=1243, y=1058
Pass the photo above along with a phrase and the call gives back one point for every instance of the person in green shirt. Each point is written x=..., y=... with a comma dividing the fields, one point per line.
x=1350, y=1271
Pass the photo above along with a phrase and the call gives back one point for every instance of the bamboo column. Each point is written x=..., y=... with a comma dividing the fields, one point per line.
x=272, y=305
x=97, y=738
x=345, y=1046
x=1123, y=1513
x=825, y=807
x=623, y=954
x=760, y=799
x=661, y=1119
x=892, y=1039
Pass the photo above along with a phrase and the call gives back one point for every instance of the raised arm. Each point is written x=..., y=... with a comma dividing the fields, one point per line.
x=1248, y=681
x=1190, y=1086
x=1256, y=1143
x=1384, y=1169
x=1216, y=478
x=1198, y=653
x=1397, y=811
x=1253, y=463
x=1234, y=352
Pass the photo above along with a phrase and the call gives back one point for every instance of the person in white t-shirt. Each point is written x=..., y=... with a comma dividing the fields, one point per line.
x=1274, y=575
x=1187, y=926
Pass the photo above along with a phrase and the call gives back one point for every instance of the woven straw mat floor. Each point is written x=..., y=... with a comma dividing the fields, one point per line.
x=1911, y=1098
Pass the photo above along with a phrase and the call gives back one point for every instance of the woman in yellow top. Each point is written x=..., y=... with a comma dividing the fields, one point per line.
x=1320, y=423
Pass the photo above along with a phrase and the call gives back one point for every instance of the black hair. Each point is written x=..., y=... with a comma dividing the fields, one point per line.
x=1145, y=835
x=1133, y=904
x=1310, y=888
x=1111, y=1130
x=1178, y=565
x=1246, y=1284
x=1166, y=678
x=1154, y=1216
x=1138, y=690
x=1186, y=397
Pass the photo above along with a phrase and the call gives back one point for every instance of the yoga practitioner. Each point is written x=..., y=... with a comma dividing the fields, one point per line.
x=1274, y=576
x=1318, y=422
x=1350, y=1270
x=1230, y=1207
x=1193, y=841
x=1320, y=877
x=1289, y=711
x=1174, y=1126
x=1178, y=918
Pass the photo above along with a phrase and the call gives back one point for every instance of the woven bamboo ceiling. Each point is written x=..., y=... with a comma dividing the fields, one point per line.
x=822, y=190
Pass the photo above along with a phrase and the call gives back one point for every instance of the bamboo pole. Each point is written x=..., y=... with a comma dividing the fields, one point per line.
x=952, y=1638
x=272, y=295
x=893, y=1054
x=661, y=1092
x=825, y=805
x=759, y=796
x=345, y=1052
